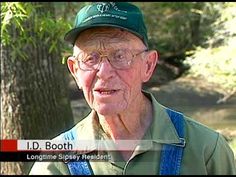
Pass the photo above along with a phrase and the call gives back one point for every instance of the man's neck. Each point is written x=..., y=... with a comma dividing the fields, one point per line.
x=130, y=125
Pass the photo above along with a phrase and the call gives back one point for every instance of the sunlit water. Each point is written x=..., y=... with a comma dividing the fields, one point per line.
x=216, y=117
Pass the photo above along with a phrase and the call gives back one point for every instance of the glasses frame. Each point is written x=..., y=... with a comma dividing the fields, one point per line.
x=103, y=56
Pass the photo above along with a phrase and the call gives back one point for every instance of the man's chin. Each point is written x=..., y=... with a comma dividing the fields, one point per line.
x=107, y=111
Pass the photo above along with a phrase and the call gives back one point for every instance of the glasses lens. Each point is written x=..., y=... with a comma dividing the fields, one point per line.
x=89, y=61
x=120, y=59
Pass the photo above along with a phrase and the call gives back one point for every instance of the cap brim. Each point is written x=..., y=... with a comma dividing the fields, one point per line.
x=72, y=35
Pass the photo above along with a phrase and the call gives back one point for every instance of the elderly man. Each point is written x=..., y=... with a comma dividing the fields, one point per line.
x=111, y=60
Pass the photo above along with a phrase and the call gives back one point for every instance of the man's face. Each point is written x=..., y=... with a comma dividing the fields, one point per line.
x=109, y=90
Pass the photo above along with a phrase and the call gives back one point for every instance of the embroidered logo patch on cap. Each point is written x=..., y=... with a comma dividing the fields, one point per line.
x=114, y=14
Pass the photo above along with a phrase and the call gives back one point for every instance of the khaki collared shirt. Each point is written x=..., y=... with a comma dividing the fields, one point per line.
x=206, y=151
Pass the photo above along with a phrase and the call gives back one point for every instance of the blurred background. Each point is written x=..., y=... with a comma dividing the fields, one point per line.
x=196, y=73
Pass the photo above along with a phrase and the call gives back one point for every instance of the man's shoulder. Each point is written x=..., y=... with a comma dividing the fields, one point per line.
x=201, y=134
x=52, y=168
x=49, y=168
x=194, y=125
x=79, y=128
x=195, y=131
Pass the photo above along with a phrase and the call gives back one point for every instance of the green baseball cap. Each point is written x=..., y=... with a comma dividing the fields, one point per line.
x=114, y=14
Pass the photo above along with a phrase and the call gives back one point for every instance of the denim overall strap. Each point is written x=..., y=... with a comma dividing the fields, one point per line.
x=78, y=167
x=171, y=154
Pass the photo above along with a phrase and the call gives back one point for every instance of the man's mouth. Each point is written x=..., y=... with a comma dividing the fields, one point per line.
x=106, y=91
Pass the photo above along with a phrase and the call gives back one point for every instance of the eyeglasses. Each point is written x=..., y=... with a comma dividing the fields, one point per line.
x=119, y=59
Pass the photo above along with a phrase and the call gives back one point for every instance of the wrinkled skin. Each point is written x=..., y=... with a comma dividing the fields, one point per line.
x=115, y=94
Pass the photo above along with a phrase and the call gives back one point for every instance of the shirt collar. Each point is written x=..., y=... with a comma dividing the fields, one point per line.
x=162, y=129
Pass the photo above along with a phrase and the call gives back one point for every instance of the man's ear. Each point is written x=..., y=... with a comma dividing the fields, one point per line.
x=73, y=67
x=150, y=62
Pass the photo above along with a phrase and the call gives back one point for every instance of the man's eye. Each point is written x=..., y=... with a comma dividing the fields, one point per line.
x=89, y=59
x=119, y=56
x=93, y=58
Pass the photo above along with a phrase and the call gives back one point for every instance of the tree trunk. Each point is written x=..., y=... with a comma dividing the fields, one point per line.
x=195, y=24
x=34, y=95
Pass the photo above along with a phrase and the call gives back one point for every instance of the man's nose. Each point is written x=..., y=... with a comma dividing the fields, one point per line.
x=105, y=70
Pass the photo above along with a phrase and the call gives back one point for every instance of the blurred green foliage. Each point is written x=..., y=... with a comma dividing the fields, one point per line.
x=175, y=27
x=44, y=27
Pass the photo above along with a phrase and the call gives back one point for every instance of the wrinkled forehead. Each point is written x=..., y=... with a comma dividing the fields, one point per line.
x=104, y=36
